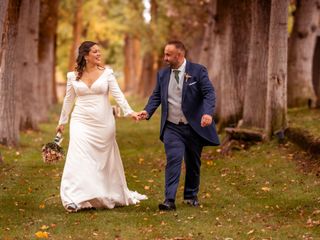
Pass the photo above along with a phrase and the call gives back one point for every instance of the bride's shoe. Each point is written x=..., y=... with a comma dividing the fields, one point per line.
x=72, y=208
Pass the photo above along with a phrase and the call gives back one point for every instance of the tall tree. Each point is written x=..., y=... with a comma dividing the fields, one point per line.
x=26, y=74
x=132, y=45
x=254, y=112
x=277, y=68
x=9, y=118
x=151, y=55
x=233, y=27
x=3, y=15
x=132, y=64
x=301, y=48
x=76, y=33
x=207, y=52
x=46, y=53
x=316, y=70
x=266, y=99
x=211, y=52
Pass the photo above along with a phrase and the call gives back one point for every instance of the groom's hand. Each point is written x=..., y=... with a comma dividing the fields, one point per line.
x=143, y=115
x=206, y=120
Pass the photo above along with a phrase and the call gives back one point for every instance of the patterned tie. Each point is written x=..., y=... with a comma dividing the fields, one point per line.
x=176, y=75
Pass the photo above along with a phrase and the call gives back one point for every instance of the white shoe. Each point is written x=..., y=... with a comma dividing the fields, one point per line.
x=72, y=208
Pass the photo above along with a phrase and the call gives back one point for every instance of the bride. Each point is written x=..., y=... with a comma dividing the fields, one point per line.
x=93, y=175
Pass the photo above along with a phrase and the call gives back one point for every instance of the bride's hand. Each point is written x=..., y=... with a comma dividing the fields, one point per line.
x=60, y=128
x=135, y=116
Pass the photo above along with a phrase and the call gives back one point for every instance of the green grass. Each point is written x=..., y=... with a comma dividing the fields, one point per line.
x=305, y=118
x=260, y=193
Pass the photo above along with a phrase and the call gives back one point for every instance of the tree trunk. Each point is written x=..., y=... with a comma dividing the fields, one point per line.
x=277, y=68
x=235, y=27
x=133, y=63
x=316, y=71
x=254, y=112
x=3, y=15
x=149, y=73
x=212, y=52
x=301, y=48
x=208, y=43
x=150, y=59
x=76, y=33
x=47, y=32
x=27, y=62
x=9, y=120
x=54, y=83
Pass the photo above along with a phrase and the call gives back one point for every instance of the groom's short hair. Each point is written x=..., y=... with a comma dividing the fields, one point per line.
x=178, y=44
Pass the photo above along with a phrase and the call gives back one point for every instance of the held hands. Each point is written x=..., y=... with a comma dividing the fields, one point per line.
x=143, y=115
x=137, y=116
x=206, y=120
x=134, y=116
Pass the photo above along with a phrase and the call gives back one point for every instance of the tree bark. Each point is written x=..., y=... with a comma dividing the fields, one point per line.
x=234, y=24
x=27, y=62
x=133, y=63
x=3, y=15
x=47, y=33
x=76, y=33
x=9, y=120
x=245, y=134
x=208, y=43
x=301, y=48
x=277, y=68
x=316, y=71
x=150, y=57
x=149, y=73
x=254, y=112
x=212, y=52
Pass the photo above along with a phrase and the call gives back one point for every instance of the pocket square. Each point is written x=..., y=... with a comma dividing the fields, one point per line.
x=193, y=83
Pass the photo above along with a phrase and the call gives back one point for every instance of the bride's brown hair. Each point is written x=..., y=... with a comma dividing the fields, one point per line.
x=83, y=51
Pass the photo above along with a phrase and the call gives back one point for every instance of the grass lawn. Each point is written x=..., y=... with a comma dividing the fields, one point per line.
x=259, y=193
x=305, y=118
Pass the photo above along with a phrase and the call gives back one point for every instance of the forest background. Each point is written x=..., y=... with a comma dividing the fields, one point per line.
x=262, y=56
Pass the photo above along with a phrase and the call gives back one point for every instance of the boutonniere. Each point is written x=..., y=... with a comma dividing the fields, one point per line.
x=187, y=76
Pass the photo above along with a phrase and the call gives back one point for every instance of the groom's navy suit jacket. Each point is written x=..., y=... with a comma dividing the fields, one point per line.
x=198, y=98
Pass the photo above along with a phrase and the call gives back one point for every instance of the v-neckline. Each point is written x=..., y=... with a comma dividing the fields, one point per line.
x=89, y=87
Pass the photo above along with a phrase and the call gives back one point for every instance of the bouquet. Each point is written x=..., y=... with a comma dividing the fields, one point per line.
x=52, y=152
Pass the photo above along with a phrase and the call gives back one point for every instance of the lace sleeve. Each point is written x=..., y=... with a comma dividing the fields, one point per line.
x=117, y=94
x=68, y=100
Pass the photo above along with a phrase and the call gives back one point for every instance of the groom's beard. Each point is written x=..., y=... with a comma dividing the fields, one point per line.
x=171, y=65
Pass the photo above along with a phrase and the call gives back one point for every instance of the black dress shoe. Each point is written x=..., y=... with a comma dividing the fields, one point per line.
x=167, y=206
x=194, y=202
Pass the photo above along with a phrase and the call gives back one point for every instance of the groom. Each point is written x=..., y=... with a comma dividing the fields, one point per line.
x=187, y=98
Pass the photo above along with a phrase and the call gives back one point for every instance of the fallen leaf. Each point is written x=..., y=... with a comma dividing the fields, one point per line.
x=266, y=189
x=44, y=227
x=250, y=232
x=209, y=163
x=41, y=234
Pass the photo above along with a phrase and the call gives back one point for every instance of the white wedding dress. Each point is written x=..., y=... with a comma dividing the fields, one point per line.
x=93, y=174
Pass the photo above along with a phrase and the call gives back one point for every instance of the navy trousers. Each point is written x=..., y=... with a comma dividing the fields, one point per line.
x=182, y=142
